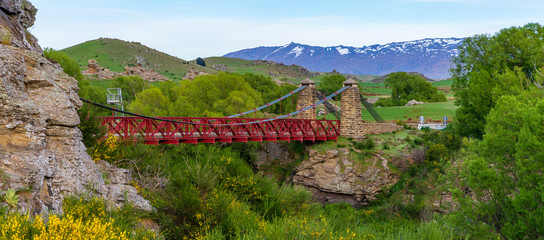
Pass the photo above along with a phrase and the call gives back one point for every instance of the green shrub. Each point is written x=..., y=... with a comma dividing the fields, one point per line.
x=436, y=152
x=367, y=144
x=406, y=87
x=68, y=64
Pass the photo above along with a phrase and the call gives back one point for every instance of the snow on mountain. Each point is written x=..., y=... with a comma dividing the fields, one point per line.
x=430, y=56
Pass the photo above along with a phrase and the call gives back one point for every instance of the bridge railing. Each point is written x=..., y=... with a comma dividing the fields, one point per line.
x=211, y=130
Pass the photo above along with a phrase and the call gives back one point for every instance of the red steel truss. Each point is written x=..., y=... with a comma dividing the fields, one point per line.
x=154, y=132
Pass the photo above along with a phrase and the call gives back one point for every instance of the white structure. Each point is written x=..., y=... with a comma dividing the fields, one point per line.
x=437, y=126
x=115, y=97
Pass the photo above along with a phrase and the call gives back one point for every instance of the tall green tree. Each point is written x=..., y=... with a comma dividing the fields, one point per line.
x=506, y=174
x=216, y=95
x=490, y=66
x=330, y=84
x=131, y=86
x=151, y=102
x=270, y=91
x=406, y=87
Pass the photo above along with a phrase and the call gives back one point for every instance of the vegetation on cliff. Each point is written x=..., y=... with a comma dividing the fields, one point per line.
x=478, y=179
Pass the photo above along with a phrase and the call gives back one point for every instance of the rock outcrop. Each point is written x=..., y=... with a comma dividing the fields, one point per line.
x=413, y=102
x=101, y=73
x=333, y=177
x=41, y=152
x=96, y=71
x=16, y=16
x=148, y=75
x=220, y=67
x=192, y=74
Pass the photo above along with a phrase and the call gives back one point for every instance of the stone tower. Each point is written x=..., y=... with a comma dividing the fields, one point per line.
x=351, y=121
x=307, y=97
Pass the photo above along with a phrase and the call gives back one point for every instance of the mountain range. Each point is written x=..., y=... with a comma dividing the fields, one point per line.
x=430, y=56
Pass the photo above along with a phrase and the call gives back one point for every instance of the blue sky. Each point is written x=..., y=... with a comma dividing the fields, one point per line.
x=203, y=28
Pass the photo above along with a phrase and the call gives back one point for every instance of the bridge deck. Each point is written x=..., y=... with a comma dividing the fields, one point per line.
x=211, y=130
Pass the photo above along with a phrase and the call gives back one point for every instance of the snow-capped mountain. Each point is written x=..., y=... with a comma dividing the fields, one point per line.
x=430, y=56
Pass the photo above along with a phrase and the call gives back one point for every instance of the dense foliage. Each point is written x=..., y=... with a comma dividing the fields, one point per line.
x=270, y=91
x=214, y=95
x=490, y=66
x=130, y=86
x=330, y=84
x=80, y=219
x=406, y=87
x=505, y=173
x=68, y=64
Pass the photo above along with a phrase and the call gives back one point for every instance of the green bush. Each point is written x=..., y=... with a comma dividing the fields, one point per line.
x=367, y=144
x=68, y=64
x=406, y=87
x=330, y=84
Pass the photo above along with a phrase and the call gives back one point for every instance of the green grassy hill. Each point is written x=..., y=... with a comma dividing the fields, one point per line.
x=115, y=54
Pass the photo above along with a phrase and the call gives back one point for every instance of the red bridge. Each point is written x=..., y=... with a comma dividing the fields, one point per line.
x=177, y=130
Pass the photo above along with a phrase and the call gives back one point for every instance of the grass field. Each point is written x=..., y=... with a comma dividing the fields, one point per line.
x=434, y=111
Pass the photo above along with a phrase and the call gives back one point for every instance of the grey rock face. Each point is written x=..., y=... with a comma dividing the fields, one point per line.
x=333, y=177
x=15, y=17
x=41, y=152
x=40, y=145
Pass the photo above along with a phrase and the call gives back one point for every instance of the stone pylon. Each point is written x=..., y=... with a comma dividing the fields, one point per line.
x=307, y=97
x=351, y=120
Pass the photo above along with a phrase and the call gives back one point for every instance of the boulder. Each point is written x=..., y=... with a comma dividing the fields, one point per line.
x=372, y=100
x=333, y=177
x=93, y=69
x=413, y=102
x=192, y=74
x=148, y=75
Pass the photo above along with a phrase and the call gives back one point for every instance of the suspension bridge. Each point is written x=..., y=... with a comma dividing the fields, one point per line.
x=175, y=130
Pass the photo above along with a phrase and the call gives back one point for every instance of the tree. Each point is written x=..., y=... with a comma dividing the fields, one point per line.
x=130, y=86
x=330, y=84
x=151, y=102
x=406, y=87
x=506, y=174
x=270, y=91
x=489, y=67
x=200, y=62
x=216, y=95
x=68, y=64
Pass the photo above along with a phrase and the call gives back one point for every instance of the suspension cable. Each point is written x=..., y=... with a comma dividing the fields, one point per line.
x=270, y=103
x=208, y=124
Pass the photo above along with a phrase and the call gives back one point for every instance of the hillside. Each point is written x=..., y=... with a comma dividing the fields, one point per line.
x=115, y=54
x=429, y=56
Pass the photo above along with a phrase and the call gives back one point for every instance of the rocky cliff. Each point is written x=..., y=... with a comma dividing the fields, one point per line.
x=333, y=177
x=41, y=152
x=94, y=71
x=15, y=17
